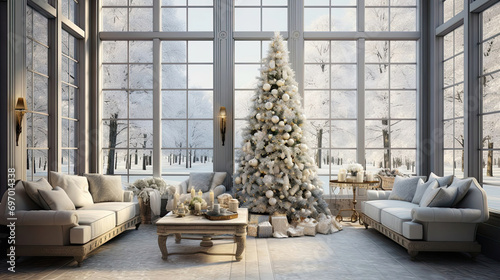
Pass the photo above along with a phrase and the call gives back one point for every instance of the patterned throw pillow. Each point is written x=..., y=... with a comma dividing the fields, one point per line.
x=462, y=187
x=404, y=188
x=56, y=199
x=200, y=181
x=443, y=181
x=76, y=187
x=438, y=197
x=105, y=188
x=421, y=188
x=32, y=188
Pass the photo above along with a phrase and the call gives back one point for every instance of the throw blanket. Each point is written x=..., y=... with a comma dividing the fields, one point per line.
x=155, y=202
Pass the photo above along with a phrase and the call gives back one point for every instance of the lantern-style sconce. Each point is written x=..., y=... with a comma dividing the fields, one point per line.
x=223, y=115
x=20, y=111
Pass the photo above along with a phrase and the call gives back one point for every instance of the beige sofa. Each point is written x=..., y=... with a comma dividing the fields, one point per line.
x=75, y=233
x=422, y=228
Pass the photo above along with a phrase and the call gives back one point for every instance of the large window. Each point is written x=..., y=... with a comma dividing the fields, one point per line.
x=490, y=89
x=37, y=94
x=453, y=102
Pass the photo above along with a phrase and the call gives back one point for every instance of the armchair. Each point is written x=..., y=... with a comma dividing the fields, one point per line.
x=204, y=181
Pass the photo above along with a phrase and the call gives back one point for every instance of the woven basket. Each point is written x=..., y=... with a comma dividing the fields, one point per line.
x=387, y=182
x=145, y=211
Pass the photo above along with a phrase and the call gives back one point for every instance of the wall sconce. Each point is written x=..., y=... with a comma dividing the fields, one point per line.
x=20, y=111
x=222, y=115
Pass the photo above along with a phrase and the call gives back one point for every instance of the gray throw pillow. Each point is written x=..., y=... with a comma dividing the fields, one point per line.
x=32, y=188
x=200, y=181
x=404, y=188
x=218, y=179
x=462, y=187
x=421, y=188
x=443, y=181
x=56, y=199
x=438, y=197
x=105, y=188
x=76, y=187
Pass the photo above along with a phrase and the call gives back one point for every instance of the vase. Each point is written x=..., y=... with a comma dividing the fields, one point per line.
x=145, y=208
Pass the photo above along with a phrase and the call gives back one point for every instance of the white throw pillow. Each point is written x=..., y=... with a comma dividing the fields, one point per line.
x=462, y=187
x=77, y=187
x=56, y=199
x=404, y=188
x=105, y=188
x=218, y=179
x=32, y=188
x=421, y=188
x=438, y=197
x=200, y=181
x=443, y=181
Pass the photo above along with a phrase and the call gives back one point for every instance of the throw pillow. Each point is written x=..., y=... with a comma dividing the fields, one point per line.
x=443, y=181
x=105, y=188
x=76, y=187
x=404, y=188
x=32, y=188
x=462, y=187
x=218, y=179
x=56, y=199
x=438, y=197
x=421, y=188
x=200, y=181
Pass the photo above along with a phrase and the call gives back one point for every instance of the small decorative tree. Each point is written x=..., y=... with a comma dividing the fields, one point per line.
x=275, y=171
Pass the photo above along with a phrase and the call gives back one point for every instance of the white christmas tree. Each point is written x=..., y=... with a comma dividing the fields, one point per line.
x=276, y=173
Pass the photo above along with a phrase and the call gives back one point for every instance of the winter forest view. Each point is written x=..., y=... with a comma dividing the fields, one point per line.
x=359, y=94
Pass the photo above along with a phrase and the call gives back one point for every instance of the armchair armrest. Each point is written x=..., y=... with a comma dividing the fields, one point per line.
x=220, y=189
x=46, y=218
x=377, y=195
x=128, y=196
x=446, y=215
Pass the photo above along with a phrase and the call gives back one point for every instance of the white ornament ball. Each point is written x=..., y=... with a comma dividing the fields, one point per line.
x=304, y=147
x=272, y=201
x=274, y=92
x=266, y=87
x=272, y=64
x=257, y=174
x=280, y=82
x=275, y=119
x=269, y=194
x=282, y=196
x=270, y=136
x=253, y=162
x=308, y=194
x=285, y=97
x=237, y=180
x=268, y=105
x=303, y=210
x=281, y=123
x=258, y=116
x=288, y=128
x=286, y=136
x=290, y=142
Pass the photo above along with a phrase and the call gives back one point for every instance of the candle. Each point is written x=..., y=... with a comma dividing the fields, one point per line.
x=369, y=176
x=342, y=175
x=212, y=199
x=360, y=176
x=204, y=205
x=233, y=205
x=200, y=193
x=176, y=200
x=217, y=209
x=197, y=207
x=192, y=193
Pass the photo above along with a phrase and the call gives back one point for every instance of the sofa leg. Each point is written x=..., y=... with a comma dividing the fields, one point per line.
x=413, y=254
x=137, y=226
x=79, y=260
x=473, y=255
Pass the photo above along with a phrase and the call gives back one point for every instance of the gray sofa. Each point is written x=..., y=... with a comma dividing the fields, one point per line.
x=75, y=233
x=423, y=228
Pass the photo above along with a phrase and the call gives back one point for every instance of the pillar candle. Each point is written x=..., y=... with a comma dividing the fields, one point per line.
x=341, y=177
x=212, y=199
x=192, y=193
x=369, y=176
x=176, y=200
x=233, y=205
x=200, y=193
x=360, y=176
x=197, y=207
x=216, y=209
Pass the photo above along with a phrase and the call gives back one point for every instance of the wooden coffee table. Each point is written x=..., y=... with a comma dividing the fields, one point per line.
x=190, y=224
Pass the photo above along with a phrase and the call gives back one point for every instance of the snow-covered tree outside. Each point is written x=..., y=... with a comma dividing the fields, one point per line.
x=276, y=173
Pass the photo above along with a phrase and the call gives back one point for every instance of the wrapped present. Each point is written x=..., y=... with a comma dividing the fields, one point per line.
x=265, y=230
x=310, y=226
x=280, y=226
x=258, y=218
x=295, y=231
x=252, y=230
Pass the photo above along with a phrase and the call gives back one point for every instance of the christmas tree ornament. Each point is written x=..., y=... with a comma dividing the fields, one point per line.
x=285, y=97
x=253, y=162
x=266, y=87
x=268, y=105
x=274, y=92
x=272, y=64
x=272, y=201
x=269, y=193
x=275, y=119
x=280, y=83
x=281, y=123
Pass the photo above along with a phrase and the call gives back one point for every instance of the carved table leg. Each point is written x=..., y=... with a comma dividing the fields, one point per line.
x=206, y=241
x=178, y=238
x=162, y=243
x=240, y=238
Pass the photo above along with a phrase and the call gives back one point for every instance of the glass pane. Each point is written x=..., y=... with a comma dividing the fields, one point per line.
x=448, y=72
x=376, y=104
x=114, y=104
x=40, y=94
x=447, y=10
x=404, y=51
x=173, y=104
x=200, y=51
x=448, y=138
x=448, y=48
x=459, y=39
x=491, y=52
x=200, y=104
x=68, y=132
x=200, y=19
x=377, y=159
x=377, y=19
x=37, y=130
x=318, y=133
x=459, y=100
x=491, y=167
x=243, y=103
x=114, y=19
x=245, y=76
x=459, y=68
x=403, y=19
x=343, y=19
x=316, y=104
x=141, y=134
x=114, y=76
x=174, y=19
x=173, y=51
x=114, y=133
x=316, y=2
x=344, y=104
x=343, y=52
x=141, y=105
x=491, y=84
x=459, y=133
x=403, y=76
x=490, y=18
x=174, y=76
x=246, y=19
x=115, y=161
x=377, y=134
x=247, y=51
x=377, y=51
x=322, y=159
x=141, y=19
x=274, y=19
x=316, y=76
x=316, y=19
x=344, y=134
x=238, y=129
x=174, y=162
x=341, y=157
x=174, y=134
x=403, y=134
x=318, y=52
x=37, y=164
x=200, y=76
x=376, y=2
x=40, y=28
x=404, y=104
x=448, y=101
x=200, y=134
x=40, y=59
x=377, y=76
x=141, y=51
x=141, y=76
x=140, y=161
x=199, y=160
x=491, y=129
x=114, y=51
x=404, y=160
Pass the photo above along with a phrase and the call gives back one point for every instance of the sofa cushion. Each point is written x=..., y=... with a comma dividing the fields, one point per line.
x=412, y=230
x=393, y=218
x=200, y=181
x=33, y=187
x=105, y=188
x=421, y=188
x=100, y=221
x=124, y=210
x=80, y=234
x=218, y=179
x=462, y=187
x=373, y=208
x=404, y=188
x=438, y=197
x=55, y=199
x=443, y=181
x=77, y=187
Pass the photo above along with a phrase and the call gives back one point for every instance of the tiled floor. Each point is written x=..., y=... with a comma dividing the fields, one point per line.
x=353, y=253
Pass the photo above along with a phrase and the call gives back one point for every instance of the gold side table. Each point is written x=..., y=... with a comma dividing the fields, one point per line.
x=354, y=185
